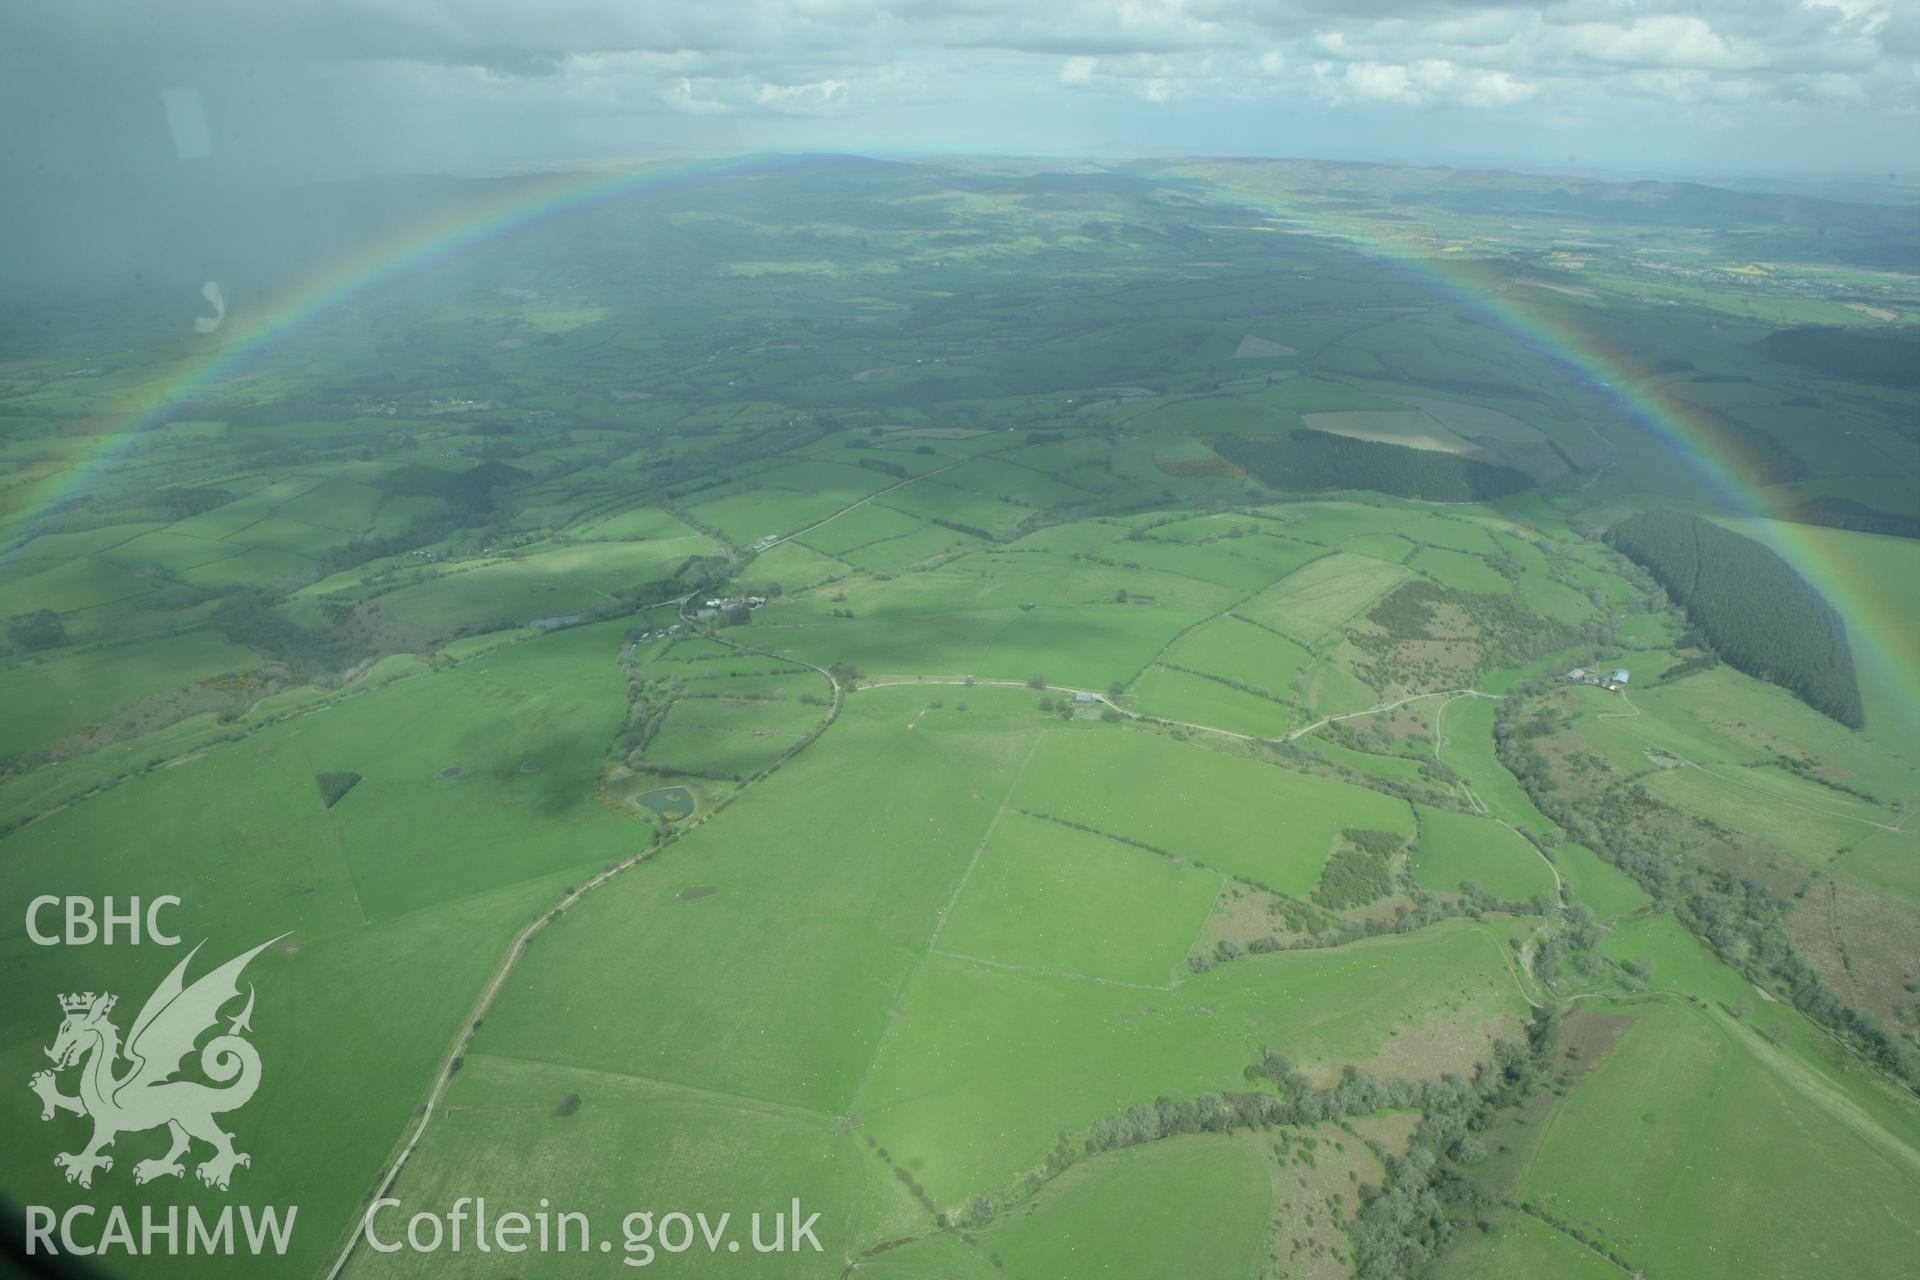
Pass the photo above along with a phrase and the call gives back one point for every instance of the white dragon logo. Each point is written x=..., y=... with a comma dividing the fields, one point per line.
x=145, y=1095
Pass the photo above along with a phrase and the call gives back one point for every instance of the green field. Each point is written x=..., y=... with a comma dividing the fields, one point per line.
x=1467, y=727
x=1700, y=1193
x=970, y=1089
x=1226, y=812
x=1457, y=848
x=1235, y=648
x=1098, y=1222
x=1589, y=880
x=57, y=695
x=407, y=872
x=922, y=825
x=1379, y=1002
x=69, y=586
x=1317, y=599
x=734, y=726
x=1520, y=1248
x=553, y=583
x=1195, y=699
x=381, y=630
x=966, y=1110
x=1460, y=571
x=1046, y=898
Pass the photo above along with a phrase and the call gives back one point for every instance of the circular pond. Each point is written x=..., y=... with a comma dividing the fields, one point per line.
x=671, y=803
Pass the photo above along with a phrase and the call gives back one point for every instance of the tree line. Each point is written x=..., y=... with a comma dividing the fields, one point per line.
x=1735, y=916
x=1760, y=615
x=1426, y=1197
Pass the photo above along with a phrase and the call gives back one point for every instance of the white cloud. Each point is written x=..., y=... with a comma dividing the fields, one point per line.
x=1588, y=53
x=680, y=96
x=1151, y=77
x=1423, y=82
x=1072, y=67
x=1664, y=40
x=804, y=99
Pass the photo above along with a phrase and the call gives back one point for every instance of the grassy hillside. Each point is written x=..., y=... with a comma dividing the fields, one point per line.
x=1031, y=711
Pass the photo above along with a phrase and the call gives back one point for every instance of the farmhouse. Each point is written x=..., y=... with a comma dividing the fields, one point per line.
x=1616, y=679
x=1081, y=695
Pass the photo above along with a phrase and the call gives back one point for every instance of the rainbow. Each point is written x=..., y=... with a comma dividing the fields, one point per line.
x=257, y=330
x=1884, y=638
x=1886, y=646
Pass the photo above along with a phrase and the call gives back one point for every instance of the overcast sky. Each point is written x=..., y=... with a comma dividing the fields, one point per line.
x=334, y=87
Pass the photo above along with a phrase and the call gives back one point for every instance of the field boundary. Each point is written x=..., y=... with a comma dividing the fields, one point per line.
x=1481, y=810
x=453, y=1058
x=1633, y=712
x=1044, y=972
x=939, y=927
x=789, y=537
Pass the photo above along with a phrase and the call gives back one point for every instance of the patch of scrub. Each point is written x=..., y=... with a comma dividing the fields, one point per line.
x=451, y=771
x=695, y=892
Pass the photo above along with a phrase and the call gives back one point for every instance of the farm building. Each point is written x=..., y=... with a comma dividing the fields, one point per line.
x=1081, y=695
x=1620, y=675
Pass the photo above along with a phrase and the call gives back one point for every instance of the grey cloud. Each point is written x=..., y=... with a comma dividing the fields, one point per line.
x=554, y=64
